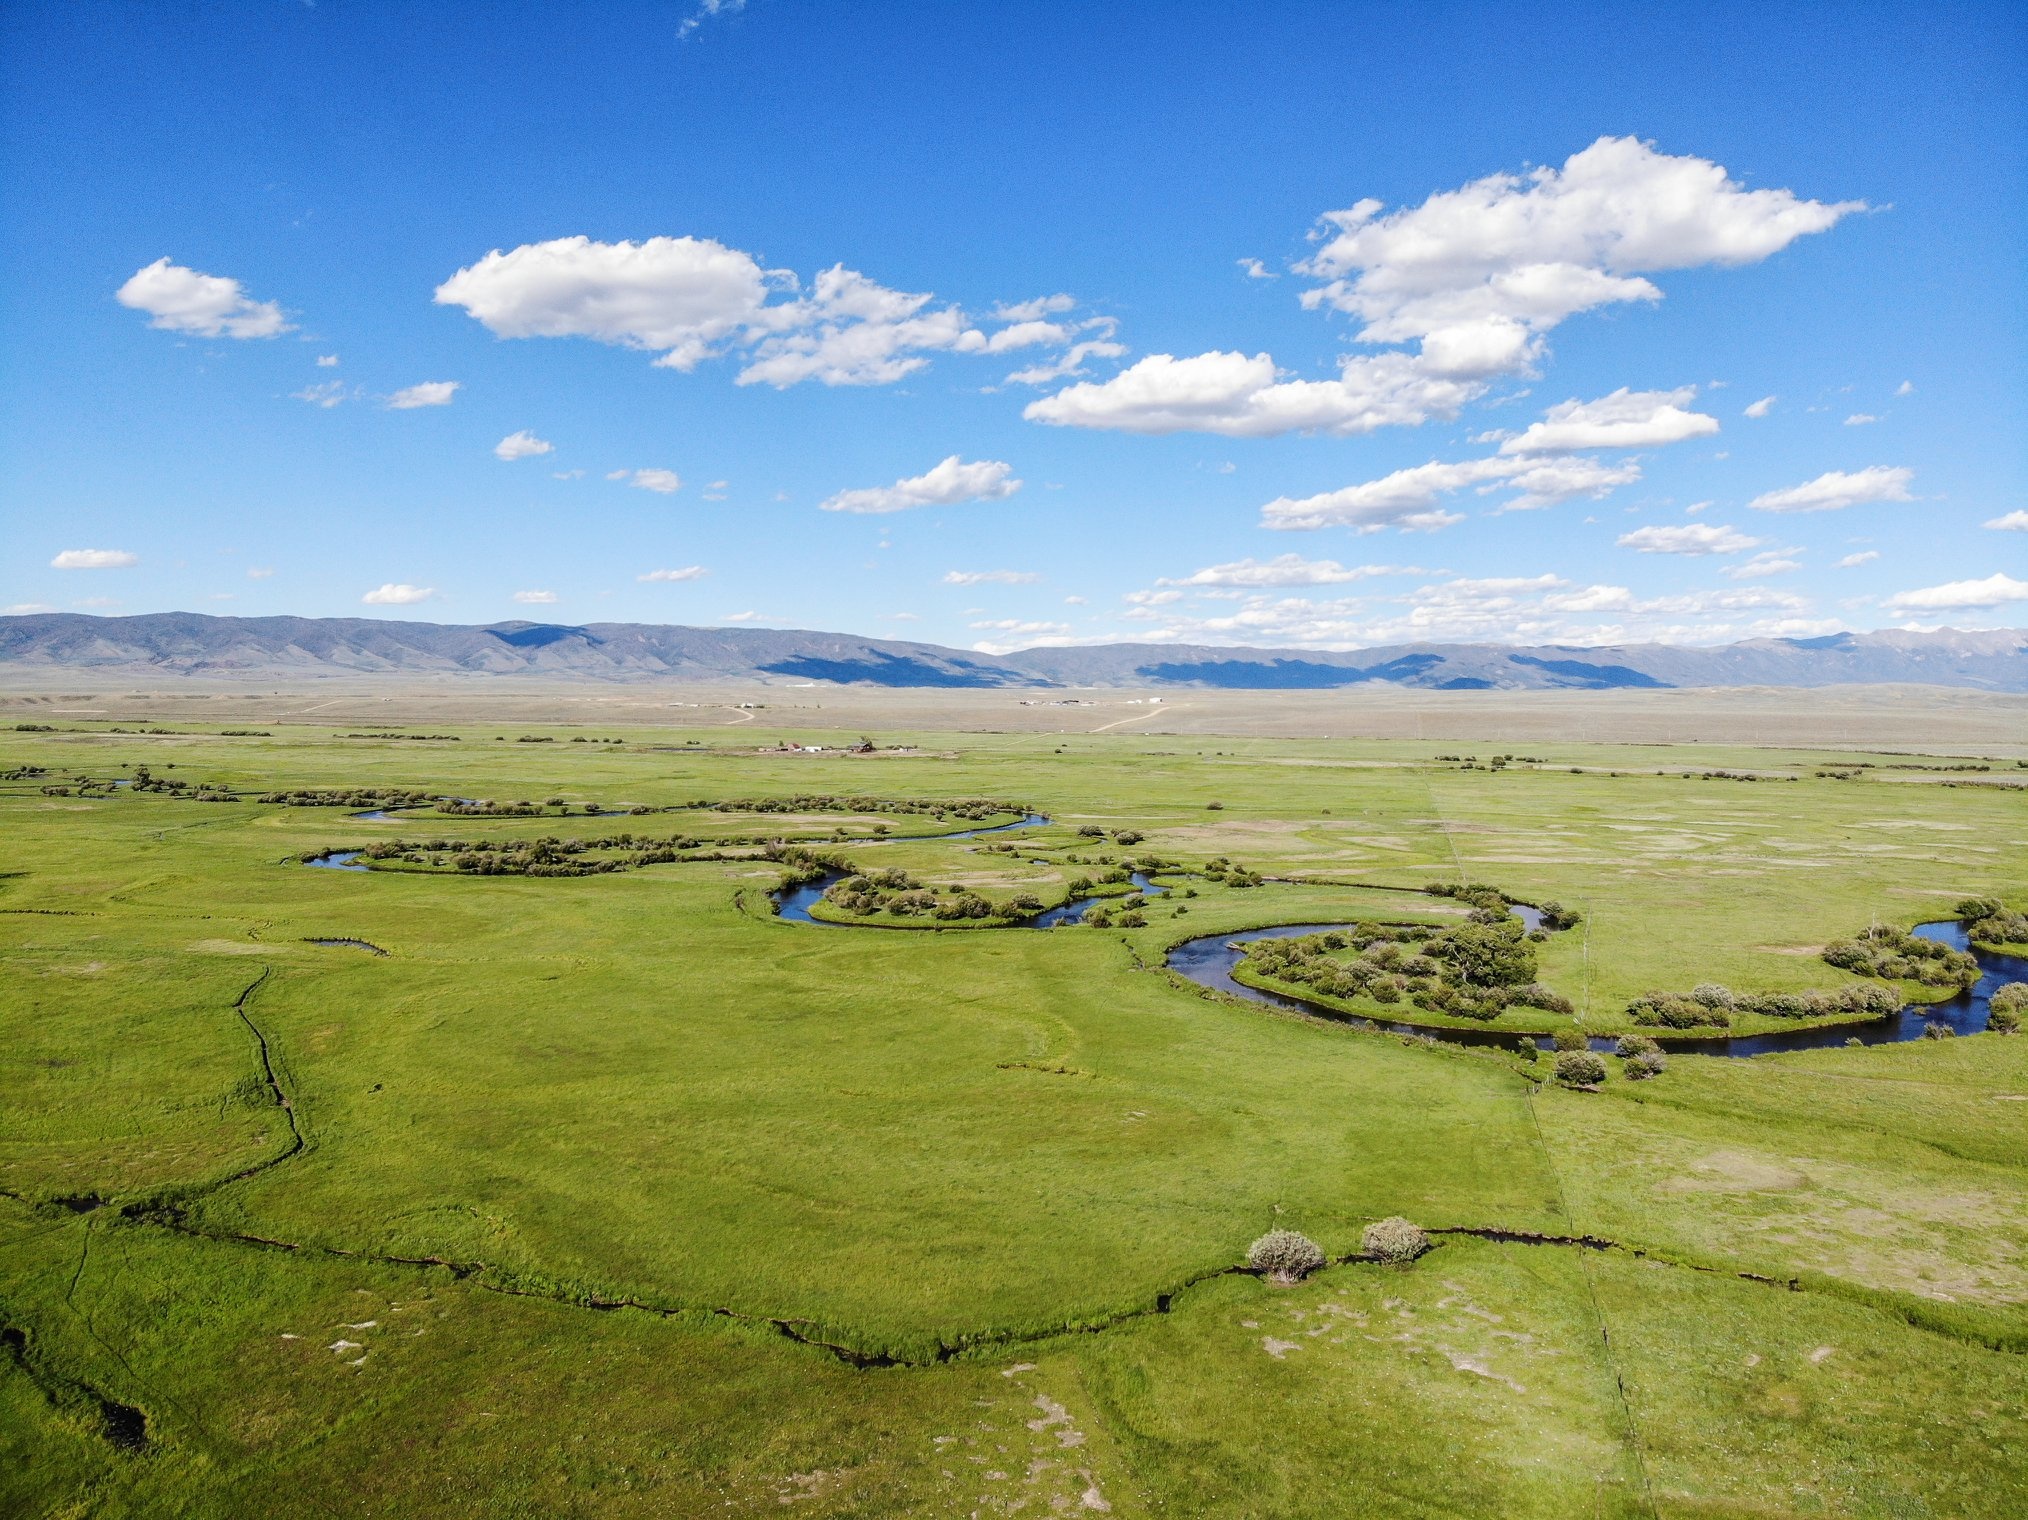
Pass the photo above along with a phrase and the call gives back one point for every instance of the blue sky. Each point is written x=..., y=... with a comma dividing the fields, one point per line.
x=1280, y=325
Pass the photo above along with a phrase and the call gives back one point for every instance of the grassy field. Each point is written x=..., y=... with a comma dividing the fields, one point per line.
x=615, y=1195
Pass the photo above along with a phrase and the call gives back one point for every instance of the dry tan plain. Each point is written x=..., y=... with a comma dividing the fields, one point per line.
x=1932, y=720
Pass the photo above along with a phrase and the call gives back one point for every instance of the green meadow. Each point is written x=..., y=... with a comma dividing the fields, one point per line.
x=614, y=1194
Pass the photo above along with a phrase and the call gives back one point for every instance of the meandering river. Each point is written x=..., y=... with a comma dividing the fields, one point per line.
x=1209, y=960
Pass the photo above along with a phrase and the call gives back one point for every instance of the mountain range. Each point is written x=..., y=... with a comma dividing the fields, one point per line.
x=188, y=644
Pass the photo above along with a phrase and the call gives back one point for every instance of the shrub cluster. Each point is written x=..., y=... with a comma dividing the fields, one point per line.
x=1284, y=1256
x=1580, y=1068
x=1988, y=922
x=895, y=891
x=1711, y=1005
x=1490, y=904
x=1128, y=915
x=1394, y=1239
x=548, y=856
x=1231, y=873
x=1556, y=916
x=172, y=786
x=349, y=797
x=971, y=809
x=1897, y=955
x=2008, y=1008
x=1474, y=971
x=1482, y=899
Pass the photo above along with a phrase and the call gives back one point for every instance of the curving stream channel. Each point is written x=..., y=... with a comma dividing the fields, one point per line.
x=1209, y=960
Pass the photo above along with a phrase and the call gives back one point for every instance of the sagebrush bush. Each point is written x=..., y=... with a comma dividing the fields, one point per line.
x=1394, y=1239
x=1645, y=1064
x=1580, y=1068
x=2008, y=1008
x=1285, y=1256
x=1635, y=1045
x=1570, y=1039
x=1936, y=1031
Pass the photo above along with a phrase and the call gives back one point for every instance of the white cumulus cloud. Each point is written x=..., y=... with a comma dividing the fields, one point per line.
x=1996, y=590
x=1688, y=538
x=94, y=559
x=536, y=598
x=1627, y=419
x=1474, y=278
x=1070, y=362
x=327, y=393
x=1761, y=407
x=428, y=393
x=1854, y=561
x=687, y=573
x=677, y=295
x=1245, y=397
x=2012, y=522
x=1592, y=599
x=661, y=482
x=1767, y=562
x=1409, y=498
x=1283, y=570
x=521, y=445
x=1836, y=489
x=177, y=299
x=1480, y=272
x=991, y=578
x=688, y=299
x=706, y=11
x=398, y=594
x=946, y=484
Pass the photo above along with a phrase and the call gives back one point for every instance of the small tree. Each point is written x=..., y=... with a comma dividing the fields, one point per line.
x=1394, y=1239
x=2008, y=1008
x=1284, y=1256
x=1580, y=1068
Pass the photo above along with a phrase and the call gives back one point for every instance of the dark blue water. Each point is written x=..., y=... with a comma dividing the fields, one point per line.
x=1032, y=821
x=342, y=861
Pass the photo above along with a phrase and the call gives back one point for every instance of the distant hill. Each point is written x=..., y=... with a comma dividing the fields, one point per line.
x=287, y=648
